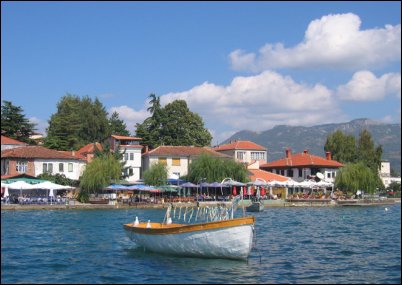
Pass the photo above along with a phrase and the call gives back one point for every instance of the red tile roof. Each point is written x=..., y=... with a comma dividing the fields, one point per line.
x=267, y=176
x=89, y=148
x=239, y=145
x=303, y=159
x=35, y=152
x=126, y=138
x=183, y=151
x=7, y=140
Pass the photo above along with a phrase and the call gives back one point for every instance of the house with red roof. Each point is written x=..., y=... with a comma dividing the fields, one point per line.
x=301, y=166
x=87, y=152
x=176, y=158
x=244, y=151
x=35, y=160
x=8, y=143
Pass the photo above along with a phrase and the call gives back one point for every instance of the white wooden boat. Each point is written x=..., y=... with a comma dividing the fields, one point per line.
x=256, y=206
x=231, y=238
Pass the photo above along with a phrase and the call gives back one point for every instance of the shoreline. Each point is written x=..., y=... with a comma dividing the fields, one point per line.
x=268, y=204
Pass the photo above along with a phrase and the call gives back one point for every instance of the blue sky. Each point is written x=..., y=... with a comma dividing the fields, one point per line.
x=240, y=65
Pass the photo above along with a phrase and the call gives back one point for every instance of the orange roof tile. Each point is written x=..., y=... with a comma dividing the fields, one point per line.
x=89, y=148
x=304, y=159
x=183, y=151
x=35, y=152
x=239, y=145
x=266, y=175
x=7, y=140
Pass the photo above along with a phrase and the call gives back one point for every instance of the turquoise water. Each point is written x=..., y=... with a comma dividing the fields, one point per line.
x=295, y=245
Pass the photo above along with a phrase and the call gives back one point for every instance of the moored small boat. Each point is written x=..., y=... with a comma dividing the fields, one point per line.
x=230, y=238
x=256, y=206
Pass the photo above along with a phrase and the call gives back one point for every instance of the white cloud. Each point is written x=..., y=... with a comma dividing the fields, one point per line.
x=334, y=41
x=130, y=116
x=365, y=86
x=40, y=125
x=259, y=102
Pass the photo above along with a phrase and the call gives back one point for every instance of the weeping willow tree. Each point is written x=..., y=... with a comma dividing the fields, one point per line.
x=156, y=175
x=215, y=169
x=356, y=176
x=99, y=173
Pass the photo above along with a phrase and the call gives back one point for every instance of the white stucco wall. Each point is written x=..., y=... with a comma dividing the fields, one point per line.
x=78, y=167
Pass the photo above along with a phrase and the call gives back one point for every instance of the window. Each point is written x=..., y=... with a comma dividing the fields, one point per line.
x=21, y=167
x=257, y=155
x=61, y=167
x=126, y=156
x=328, y=174
x=70, y=167
x=130, y=172
x=47, y=168
x=300, y=172
x=290, y=172
x=241, y=155
x=176, y=161
x=162, y=160
x=131, y=156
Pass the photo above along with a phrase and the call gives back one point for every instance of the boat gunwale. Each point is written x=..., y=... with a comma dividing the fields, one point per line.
x=185, y=228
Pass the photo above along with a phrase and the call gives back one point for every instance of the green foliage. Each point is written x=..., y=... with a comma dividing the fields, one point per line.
x=14, y=124
x=215, y=169
x=356, y=176
x=345, y=149
x=59, y=179
x=174, y=124
x=394, y=187
x=76, y=123
x=99, y=173
x=156, y=175
x=82, y=197
x=342, y=147
x=117, y=126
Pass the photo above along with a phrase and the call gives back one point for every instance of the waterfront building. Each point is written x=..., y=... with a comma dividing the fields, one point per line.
x=176, y=158
x=131, y=149
x=301, y=166
x=243, y=151
x=35, y=160
x=385, y=174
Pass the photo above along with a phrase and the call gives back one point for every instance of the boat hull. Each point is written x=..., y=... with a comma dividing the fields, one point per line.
x=255, y=207
x=223, y=239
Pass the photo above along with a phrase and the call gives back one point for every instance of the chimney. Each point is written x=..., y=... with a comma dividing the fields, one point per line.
x=288, y=153
x=305, y=151
x=145, y=148
x=328, y=155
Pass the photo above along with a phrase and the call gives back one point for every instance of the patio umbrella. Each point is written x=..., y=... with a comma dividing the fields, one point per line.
x=234, y=191
x=21, y=185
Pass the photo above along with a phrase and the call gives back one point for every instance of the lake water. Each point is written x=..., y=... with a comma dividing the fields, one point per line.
x=294, y=245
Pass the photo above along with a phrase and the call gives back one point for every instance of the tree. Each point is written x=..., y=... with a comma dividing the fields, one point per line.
x=99, y=173
x=156, y=174
x=76, y=123
x=174, y=124
x=215, y=169
x=14, y=124
x=356, y=176
x=342, y=147
x=367, y=152
x=117, y=126
x=345, y=149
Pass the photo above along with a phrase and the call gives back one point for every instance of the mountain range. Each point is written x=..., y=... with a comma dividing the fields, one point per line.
x=299, y=138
